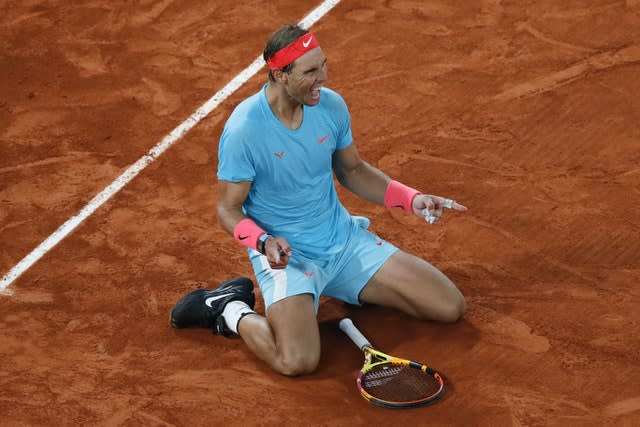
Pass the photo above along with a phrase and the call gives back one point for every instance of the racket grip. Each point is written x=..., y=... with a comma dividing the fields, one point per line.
x=347, y=326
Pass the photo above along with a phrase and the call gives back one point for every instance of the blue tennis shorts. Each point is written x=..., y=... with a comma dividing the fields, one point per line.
x=342, y=277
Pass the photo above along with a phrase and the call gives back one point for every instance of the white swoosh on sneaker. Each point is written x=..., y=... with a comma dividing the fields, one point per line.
x=210, y=300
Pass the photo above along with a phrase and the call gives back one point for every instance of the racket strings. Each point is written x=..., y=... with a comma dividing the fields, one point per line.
x=397, y=383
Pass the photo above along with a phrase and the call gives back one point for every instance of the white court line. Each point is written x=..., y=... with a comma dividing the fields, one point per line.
x=151, y=156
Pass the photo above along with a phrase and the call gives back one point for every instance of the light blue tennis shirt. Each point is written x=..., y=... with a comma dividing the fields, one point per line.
x=292, y=192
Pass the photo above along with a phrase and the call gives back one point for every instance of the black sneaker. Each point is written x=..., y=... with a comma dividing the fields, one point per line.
x=202, y=308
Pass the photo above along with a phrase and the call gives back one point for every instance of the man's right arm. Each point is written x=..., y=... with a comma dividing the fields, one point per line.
x=231, y=196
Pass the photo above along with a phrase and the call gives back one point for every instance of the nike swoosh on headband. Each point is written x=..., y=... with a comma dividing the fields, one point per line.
x=305, y=44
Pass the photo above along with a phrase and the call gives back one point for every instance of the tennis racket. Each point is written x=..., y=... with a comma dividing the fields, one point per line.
x=392, y=382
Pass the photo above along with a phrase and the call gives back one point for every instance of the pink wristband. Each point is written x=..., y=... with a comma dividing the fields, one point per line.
x=399, y=195
x=246, y=232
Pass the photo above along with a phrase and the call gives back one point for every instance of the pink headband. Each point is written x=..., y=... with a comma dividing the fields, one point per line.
x=292, y=51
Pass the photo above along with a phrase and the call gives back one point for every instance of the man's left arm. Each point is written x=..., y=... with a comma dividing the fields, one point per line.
x=358, y=176
x=372, y=184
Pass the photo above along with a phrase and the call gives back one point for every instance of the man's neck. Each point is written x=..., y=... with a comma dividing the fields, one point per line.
x=288, y=111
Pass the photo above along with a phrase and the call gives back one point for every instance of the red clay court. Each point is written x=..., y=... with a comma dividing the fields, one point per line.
x=526, y=112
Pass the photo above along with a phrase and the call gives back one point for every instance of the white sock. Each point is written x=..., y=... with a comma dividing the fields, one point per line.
x=233, y=312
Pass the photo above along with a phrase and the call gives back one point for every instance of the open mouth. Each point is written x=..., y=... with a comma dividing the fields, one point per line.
x=315, y=94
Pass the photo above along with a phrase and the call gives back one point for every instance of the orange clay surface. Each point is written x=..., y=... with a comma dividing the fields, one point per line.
x=527, y=112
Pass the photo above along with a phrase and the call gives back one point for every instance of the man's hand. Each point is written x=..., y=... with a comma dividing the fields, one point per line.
x=277, y=251
x=431, y=207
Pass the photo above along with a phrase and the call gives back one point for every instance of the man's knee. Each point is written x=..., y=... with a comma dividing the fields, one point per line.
x=298, y=364
x=451, y=310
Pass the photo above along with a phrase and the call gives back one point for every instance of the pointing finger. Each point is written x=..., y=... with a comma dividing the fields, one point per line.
x=452, y=204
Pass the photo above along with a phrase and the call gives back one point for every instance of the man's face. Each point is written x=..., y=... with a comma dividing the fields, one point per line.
x=307, y=76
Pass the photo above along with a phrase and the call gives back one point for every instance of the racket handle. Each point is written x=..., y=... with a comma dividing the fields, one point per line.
x=347, y=326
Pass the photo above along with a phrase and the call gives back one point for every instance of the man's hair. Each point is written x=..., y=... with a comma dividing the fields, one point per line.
x=280, y=39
